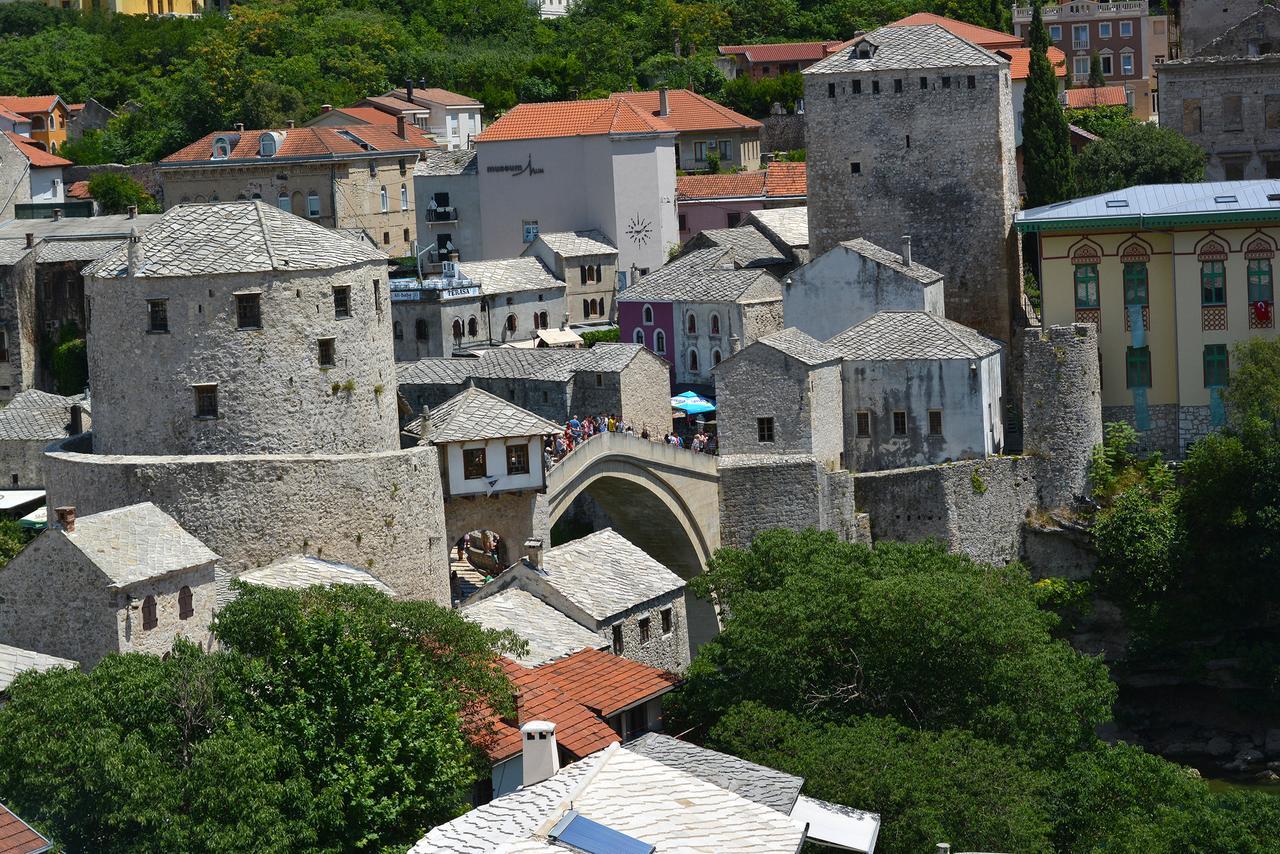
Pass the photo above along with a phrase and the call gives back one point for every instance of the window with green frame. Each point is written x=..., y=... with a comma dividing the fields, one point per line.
x=1137, y=364
x=1260, y=289
x=1086, y=286
x=1216, y=368
x=1135, y=283
x=1213, y=283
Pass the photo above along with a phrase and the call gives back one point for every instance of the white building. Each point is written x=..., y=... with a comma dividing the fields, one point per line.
x=446, y=189
x=29, y=173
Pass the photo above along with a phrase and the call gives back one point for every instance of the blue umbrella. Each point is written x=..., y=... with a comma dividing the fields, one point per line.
x=691, y=403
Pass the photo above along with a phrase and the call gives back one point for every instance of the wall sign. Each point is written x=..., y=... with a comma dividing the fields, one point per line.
x=516, y=169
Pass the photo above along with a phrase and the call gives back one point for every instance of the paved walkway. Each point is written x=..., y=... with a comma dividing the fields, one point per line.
x=470, y=579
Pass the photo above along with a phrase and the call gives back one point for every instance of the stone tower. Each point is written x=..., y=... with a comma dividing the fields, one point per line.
x=1061, y=408
x=911, y=132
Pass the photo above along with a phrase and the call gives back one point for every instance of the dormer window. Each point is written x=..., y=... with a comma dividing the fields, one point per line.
x=221, y=148
x=864, y=50
x=269, y=144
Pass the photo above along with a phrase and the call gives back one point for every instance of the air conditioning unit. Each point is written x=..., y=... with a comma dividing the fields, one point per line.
x=449, y=269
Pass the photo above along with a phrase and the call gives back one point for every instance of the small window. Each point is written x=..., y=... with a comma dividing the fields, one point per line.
x=397, y=331
x=405, y=236
x=693, y=361
x=341, y=302
x=899, y=423
x=457, y=329
x=617, y=639
x=313, y=205
x=420, y=329
x=692, y=324
x=1086, y=277
x=1126, y=29
x=875, y=87
x=855, y=168
x=1104, y=30
x=1137, y=362
x=897, y=85
x=648, y=315
x=511, y=323
x=924, y=82
x=386, y=203
x=221, y=148
x=764, y=430
x=638, y=337
x=472, y=328
x=157, y=315
x=373, y=169
x=206, y=400
x=186, y=608
x=599, y=380
x=946, y=82
x=149, y=620
x=684, y=223
x=282, y=202
x=1215, y=365
x=935, y=422
x=856, y=87
x=733, y=219
x=267, y=145
x=1135, y=283
x=404, y=166
x=646, y=629
x=474, y=466
x=1213, y=289
x=973, y=82
x=659, y=342
x=715, y=324
x=529, y=230
x=863, y=419
x=517, y=459
x=249, y=311
x=386, y=238
x=377, y=295
x=715, y=358
x=665, y=613
x=1260, y=286
x=328, y=350
x=404, y=197
x=831, y=90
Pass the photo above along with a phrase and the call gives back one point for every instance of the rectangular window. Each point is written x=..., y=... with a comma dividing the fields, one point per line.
x=1126, y=64
x=831, y=90
x=1137, y=364
x=733, y=219
x=899, y=423
x=935, y=422
x=529, y=229
x=1215, y=365
x=617, y=639
x=1135, y=284
x=206, y=400
x=855, y=168
x=666, y=621
x=897, y=85
x=1086, y=286
x=327, y=348
x=404, y=167
x=856, y=87
x=1080, y=37
x=1213, y=288
x=1271, y=105
x=313, y=206
x=377, y=295
x=924, y=82
x=1055, y=32
x=1107, y=64
x=517, y=459
x=1191, y=115
x=684, y=223
x=474, y=466
x=864, y=424
x=1260, y=289
x=946, y=82
x=725, y=148
x=700, y=152
x=764, y=429
x=1104, y=30
x=1232, y=112
x=1126, y=29
x=249, y=311
x=157, y=315
x=875, y=87
x=1080, y=67
x=646, y=629
x=341, y=302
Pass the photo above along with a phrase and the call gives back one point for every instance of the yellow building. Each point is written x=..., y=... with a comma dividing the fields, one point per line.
x=1173, y=275
x=135, y=7
x=47, y=116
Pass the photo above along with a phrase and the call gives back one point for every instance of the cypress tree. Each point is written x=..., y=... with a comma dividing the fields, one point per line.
x=1096, y=77
x=1046, y=145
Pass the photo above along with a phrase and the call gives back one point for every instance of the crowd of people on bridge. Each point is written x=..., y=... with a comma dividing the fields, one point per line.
x=578, y=430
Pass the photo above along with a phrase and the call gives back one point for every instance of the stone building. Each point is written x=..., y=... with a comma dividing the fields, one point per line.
x=28, y=424
x=244, y=381
x=906, y=126
x=298, y=572
x=1202, y=21
x=1063, y=408
x=30, y=177
x=786, y=227
x=610, y=587
x=587, y=262
x=14, y=660
x=1226, y=98
x=854, y=280
x=446, y=190
x=623, y=379
x=123, y=580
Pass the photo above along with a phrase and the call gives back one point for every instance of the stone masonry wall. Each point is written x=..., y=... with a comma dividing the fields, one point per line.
x=669, y=651
x=1062, y=408
x=381, y=512
x=1164, y=433
x=761, y=491
x=646, y=393
x=132, y=637
x=22, y=459
x=514, y=516
x=782, y=132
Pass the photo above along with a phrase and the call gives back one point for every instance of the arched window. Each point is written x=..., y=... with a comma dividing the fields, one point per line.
x=693, y=361
x=420, y=329
x=398, y=331
x=586, y=308
x=149, y=620
x=638, y=337
x=404, y=197
x=457, y=329
x=692, y=324
x=186, y=608
x=648, y=315
x=537, y=322
x=659, y=342
x=257, y=197
x=385, y=205
x=37, y=122
x=715, y=324
x=715, y=358
x=267, y=145
x=221, y=148
x=282, y=201
x=472, y=327
x=511, y=323
x=542, y=317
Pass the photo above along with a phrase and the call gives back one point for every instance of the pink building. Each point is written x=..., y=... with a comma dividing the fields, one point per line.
x=704, y=202
x=771, y=60
x=649, y=323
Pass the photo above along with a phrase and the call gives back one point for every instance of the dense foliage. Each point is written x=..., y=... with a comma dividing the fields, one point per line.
x=1138, y=153
x=1046, y=144
x=330, y=722
x=116, y=192
x=1101, y=120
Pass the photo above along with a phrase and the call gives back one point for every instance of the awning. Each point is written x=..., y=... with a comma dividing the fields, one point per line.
x=692, y=404
x=37, y=519
x=837, y=825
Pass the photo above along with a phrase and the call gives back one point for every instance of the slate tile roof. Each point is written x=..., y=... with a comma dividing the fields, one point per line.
x=34, y=398
x=50, y=251
x=36, y=156
x=900, y=48
x=750, y=247
x=689, y=111
x=510, y=275
x=303, y=143
x=1020, y=61
x=549, y=633
x=788, y=225
x=758, y=783
x=235, y=237
x=475, y=414
x=1103, y=96
x=800, y=346
x=572, y=118
x=436, y=95
x=604, y=574
x=576, y=244
x=15, y=660
x=549, y=365
x=136, y=543
x=911, y=335
x=18, y=837
x=445, y=162
x=296, y=572
x=784, y=52
x=981, y=36
x=704, y=275
x=922, y=274
x=35, y=415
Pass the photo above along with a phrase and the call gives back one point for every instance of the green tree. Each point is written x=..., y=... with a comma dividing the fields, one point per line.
x=1046, y=144
x=1102, y=120
x=71, y=366
x=115, y=192
x=1136, y=538
x=1096, y=77
x=13, y=539
x=1139, y=153
x=1253, y=397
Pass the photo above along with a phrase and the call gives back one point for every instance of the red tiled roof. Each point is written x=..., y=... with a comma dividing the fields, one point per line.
x=1020, y=61
x=368, y=115
x=721, y=186
x=79, y=190
x=787, y=179
x=981, y=36
x=17, y=837
x=1103, y=96
x=36, y=155
x=32, y=104
x=439, y=96
x=689, y=111
x=605, y=682
x=781, y=52
x=572, y=118
x=326, y=143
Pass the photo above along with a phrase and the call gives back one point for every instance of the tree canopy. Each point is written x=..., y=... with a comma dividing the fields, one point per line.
x=1138, y=153
x=1046, y=145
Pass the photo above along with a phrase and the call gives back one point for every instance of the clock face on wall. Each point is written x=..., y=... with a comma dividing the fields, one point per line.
x=639, y=229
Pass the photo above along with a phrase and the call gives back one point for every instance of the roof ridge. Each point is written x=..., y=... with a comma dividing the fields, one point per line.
x=946, y=328
x=566, y=802
x=266, y=234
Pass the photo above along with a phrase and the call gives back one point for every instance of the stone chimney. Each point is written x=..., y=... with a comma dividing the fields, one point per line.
x=734, y=344
x=135, y=251
x=663, y=108
x=564, y=319
x=132, y=211
x=57, y=214
x=944, y=848
x=533, y=552
x=77, y=419
x=422, y=82
x=425, y=429
x=239, y=126
x=66, y=517
x=400, y=131
x=31, y=240
x=906, y=250
x=540, y=757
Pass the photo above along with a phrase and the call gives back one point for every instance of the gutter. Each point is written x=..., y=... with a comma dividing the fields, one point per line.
x=1148, y=222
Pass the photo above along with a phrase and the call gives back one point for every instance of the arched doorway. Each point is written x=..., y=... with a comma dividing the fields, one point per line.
x=476, y=557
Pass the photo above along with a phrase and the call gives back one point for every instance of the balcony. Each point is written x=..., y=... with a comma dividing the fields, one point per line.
x=1059, y=11
x=1079, y=44
x=449, y=214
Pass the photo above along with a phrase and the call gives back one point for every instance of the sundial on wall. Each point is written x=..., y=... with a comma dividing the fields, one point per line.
x=638, y=229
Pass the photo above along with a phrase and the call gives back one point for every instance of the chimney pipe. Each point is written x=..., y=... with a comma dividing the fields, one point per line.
x=77, y=419
x=424, y=432
x=325, y=108
x=540, y=757
x=533, y=549
x=944, y=848
x=400, y=131
x=408, y=89
x=906, y=250
x=734, y=343
x=31, y=240
x=135, y=251
x=662, y=101
x=239, y=126
x=422, y=83
x=289, y=124
x=57, y=214
x=66, y=517
x=453, y=256
x=132, y=211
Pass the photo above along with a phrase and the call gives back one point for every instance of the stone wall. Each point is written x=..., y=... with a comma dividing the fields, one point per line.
x=514, y=516
x=1053, y=549
x=758, y=320
x=15, y=178
x=19, y=320
x=782, y=132
x=22, y=463
x=669, y=651
x=1164, y=433
x=759, y=492
x=132, y=637
x=1202, y=21
x=1061, y=408
x=380, y=512
x=646, y=393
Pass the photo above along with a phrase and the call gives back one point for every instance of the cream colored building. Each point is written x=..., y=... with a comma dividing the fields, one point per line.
x=358, y=178
x=1174, y=275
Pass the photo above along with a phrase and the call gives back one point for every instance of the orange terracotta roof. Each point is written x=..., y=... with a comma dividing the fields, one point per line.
x=322, y=143
x=32, y=104
x=368, y=115
x=17, y=837
x=781, y=52
x=607, y=683
x=786, y=179
x=572, y=118
x=79, y=190
x=1020, y=61
x=1103, y=96
x=776, y=180
x=75, y=108
x=688, y=111
x=981, y=36
x=36, y=155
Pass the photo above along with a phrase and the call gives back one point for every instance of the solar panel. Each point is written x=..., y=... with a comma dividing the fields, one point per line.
x=583, y=834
